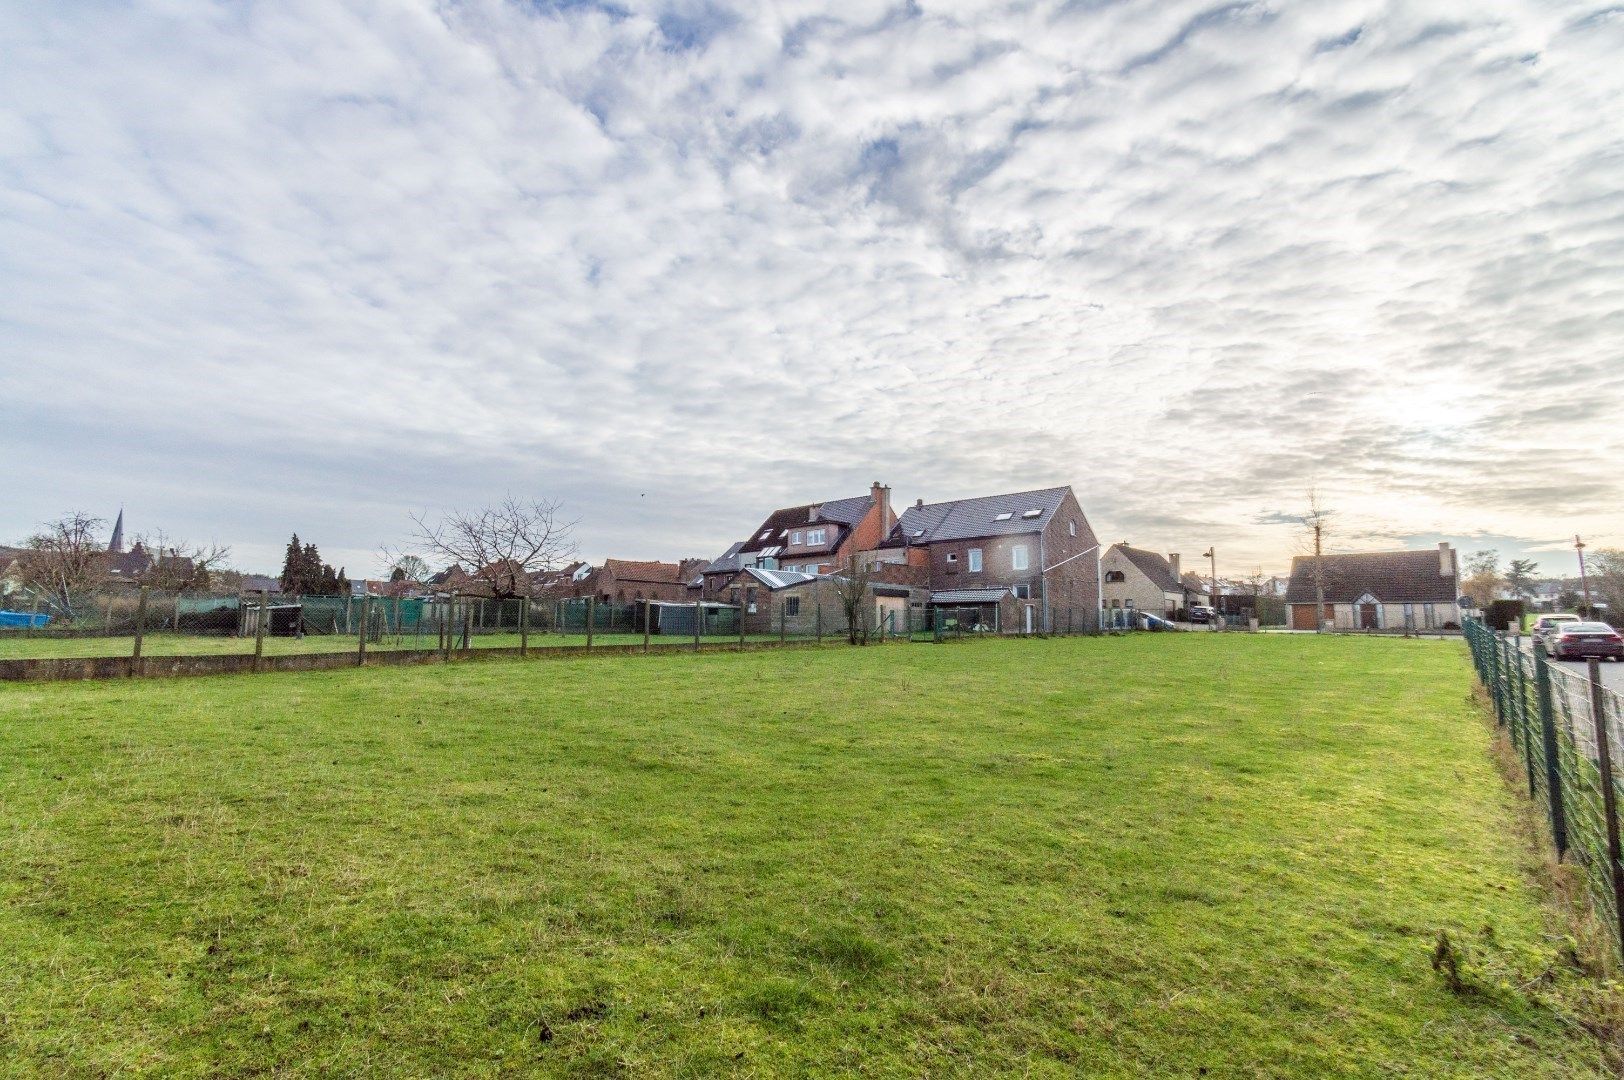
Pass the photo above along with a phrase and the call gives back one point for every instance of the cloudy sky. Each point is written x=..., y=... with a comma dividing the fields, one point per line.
x=314, y=265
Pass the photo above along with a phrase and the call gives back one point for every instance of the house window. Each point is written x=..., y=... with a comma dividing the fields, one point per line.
x=1409, y=616
x=792, y=605
x=1031, y=513
x=975, y=560
x=765, y=534
x=1071, y=527
x=952, y=563
x=1430, y=613
x=817, y=536
x=1024, y=592
x=795, y=537
x=1005, y=516
x=1018, y=557
x=1115, y=575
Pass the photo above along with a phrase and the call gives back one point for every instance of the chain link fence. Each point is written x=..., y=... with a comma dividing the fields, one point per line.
x=1565, y=728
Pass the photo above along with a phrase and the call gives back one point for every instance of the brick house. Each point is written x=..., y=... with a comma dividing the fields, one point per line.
x=1145, y=581
x=1378, y=590
x=622, y=581
x=800, y=603
x=1022, y=562
x=814, y=538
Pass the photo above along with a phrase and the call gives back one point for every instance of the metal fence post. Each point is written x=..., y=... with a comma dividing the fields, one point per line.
x=1553, y=773
x=140, y=631
x=1609, y=797
x=591, y=612
x=524, y=626
x=648, y=615
x=1518, y=685
x=1494, y=684
x=699, y=616
x=740, y=617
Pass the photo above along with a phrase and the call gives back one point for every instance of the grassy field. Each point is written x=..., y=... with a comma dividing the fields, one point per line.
x=1176, y=855
x=14, y=646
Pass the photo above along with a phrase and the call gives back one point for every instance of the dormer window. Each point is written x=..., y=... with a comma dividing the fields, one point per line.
x=817, y=536
x=796, y=538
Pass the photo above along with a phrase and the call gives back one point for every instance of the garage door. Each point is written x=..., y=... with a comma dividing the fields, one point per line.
x=1302, y=617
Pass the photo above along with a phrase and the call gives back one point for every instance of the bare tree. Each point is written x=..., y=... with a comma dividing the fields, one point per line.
x=64, y=561
x=851, y=586
x=410, y=568
x=178, y=566
x=501, y=545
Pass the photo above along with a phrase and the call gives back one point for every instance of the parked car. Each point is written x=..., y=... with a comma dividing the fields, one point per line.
x=1199, y=614
x=1547, y=624
x=1574, y=640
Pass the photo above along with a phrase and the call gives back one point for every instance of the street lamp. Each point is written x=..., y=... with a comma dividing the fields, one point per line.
x=1217, y=607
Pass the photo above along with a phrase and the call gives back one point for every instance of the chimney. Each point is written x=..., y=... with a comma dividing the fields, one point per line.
x=1173, y=568
x=919, y=504
x=1446, y=559
x=882, y=495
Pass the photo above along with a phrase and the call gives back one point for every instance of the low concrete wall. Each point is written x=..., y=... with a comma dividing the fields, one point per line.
x=57, y=669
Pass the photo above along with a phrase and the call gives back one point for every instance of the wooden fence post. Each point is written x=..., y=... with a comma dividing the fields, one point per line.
x=741, y=622
x=468, y=626
x=524, y=626
x=648, y=614
x=591, y=612
x=361, y=646
x=699, y=618
x=1609, y=797
x=140, y=631
x=1553, y=773
x=817, y=609
x=780, y=620
x=259, y=631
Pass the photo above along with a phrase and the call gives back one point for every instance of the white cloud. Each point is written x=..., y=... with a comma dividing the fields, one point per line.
x=308, y=266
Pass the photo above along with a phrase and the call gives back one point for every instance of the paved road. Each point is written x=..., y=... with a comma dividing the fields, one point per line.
x=1612, y=671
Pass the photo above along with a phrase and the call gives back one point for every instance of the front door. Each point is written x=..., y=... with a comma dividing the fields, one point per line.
x=1367, y=616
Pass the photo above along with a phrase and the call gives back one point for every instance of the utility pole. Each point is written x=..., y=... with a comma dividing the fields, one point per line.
x=1584, y=581
x=1319, y=579
x=1217, y=601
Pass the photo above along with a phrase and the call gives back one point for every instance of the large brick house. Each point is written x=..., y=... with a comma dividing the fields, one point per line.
x=813, y=538
x=1377, y=590
x=1022, y=562
x=1145, y=581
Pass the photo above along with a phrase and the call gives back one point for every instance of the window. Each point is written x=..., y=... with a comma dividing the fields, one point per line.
x=975, y=560
x=1031, y=513
x=1115, y=575
x=782, y=533
x=1430, y=614
x=1071, y=526
x=952, y=564
x=1005, y=516
x=792, y=605
x=1018, y=557
x=817, y=536
x=796, y=538
x=1024, y=592
x=764, y=534
x=918, y=533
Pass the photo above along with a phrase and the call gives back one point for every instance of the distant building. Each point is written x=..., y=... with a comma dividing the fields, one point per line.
x=1147, y=582
x=1378, y=590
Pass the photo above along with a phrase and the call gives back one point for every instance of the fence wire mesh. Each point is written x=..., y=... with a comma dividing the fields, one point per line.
x=1565, y=728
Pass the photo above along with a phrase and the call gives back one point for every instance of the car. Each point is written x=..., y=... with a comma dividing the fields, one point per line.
x=1574, y=640
x=1546, y=624
x=1199, y=614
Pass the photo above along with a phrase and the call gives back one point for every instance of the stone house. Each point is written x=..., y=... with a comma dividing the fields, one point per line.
x=1378, y=590
x=1145, y=581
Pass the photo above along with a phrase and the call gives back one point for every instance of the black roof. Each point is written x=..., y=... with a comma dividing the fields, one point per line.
x=1390, y=576
x=966, y=519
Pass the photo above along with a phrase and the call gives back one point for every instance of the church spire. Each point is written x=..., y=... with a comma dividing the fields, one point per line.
x=116, y=545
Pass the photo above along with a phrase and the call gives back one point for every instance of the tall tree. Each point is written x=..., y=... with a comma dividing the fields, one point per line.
x=176, y=565
x=1482, y=578
x=1316, y=530
x=293, y=566
x=1607, y=582
x=1520, y=577
x=64, y=561
x=504, y=546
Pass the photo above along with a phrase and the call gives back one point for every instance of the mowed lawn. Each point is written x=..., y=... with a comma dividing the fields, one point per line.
x=1169, y=855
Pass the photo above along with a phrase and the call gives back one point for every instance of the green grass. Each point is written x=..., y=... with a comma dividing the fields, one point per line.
x=1169, y=855
x=17, y=646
